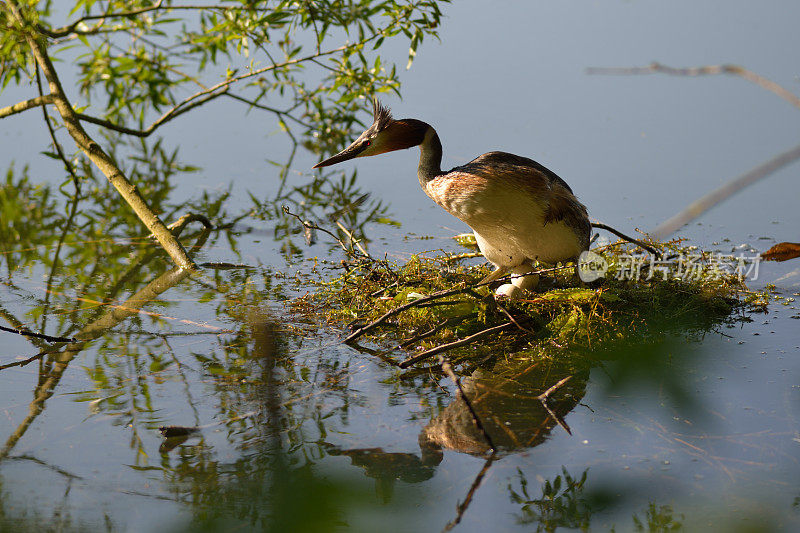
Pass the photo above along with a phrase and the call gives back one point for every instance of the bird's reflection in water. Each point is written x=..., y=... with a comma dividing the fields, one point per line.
x=387, y=467
x=509, y=408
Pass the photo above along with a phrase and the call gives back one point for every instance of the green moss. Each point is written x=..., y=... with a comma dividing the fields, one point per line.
x=562, y=313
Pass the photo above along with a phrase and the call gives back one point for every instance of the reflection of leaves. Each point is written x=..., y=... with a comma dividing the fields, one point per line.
x=657, y=518
x=29, y=219
x=562, y=503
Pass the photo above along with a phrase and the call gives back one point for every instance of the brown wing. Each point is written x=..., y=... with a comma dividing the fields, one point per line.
x=534, y=179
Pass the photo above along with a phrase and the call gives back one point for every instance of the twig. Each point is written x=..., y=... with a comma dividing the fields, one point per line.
x=408, y=342
x=455, y=344
x=512, y=319
x=736, y=70
x=462, y=507
x=546, y=394
x=177, y=227
x=461, y=394
x=72, y=27
x=698, y=207
x=175, y=112
x=625, y=237
x=48, y=338
x=381, y=291
x=353, y=240
x=310, y=225
x=459, y=257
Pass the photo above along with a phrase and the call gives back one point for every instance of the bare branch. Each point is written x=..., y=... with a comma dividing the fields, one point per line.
x=166, y=117
x=27, y=104
x=621, y=235
x=698, y=207
x=735, y=70
x=720, y=194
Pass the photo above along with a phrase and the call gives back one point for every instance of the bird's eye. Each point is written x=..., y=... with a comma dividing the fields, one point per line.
x=368, y=143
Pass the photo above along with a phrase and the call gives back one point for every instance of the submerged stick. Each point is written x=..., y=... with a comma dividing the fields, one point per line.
x=546, y=394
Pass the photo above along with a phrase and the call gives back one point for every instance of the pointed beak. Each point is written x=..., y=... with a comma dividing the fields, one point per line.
x=348, y=153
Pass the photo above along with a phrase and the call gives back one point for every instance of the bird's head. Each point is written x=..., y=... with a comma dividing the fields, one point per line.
x=384, y=135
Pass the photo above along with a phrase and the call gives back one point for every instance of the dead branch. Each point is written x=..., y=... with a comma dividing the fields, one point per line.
x=311, y=226
x=735, y=70
x=621, y=235
x=700, y=206
x=177, y=227
x=546, y=394
x=353, y=240
x=433, y=330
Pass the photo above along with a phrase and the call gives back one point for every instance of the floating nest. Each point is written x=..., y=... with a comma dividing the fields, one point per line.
x=411, y=312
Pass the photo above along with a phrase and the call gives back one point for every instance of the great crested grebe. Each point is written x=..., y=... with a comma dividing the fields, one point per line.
x=519, y=210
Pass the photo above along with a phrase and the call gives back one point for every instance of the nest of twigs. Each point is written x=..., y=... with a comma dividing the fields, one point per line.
x=431, y=305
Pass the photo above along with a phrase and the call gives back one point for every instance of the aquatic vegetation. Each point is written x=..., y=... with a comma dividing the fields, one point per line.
x=433, y=304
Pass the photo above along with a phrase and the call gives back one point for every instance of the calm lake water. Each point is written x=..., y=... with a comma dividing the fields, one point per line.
x=300, y=432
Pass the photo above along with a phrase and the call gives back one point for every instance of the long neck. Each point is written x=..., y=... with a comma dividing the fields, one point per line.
x=430, y=157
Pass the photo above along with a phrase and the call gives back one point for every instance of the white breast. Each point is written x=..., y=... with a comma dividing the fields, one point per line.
x=508, y=224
